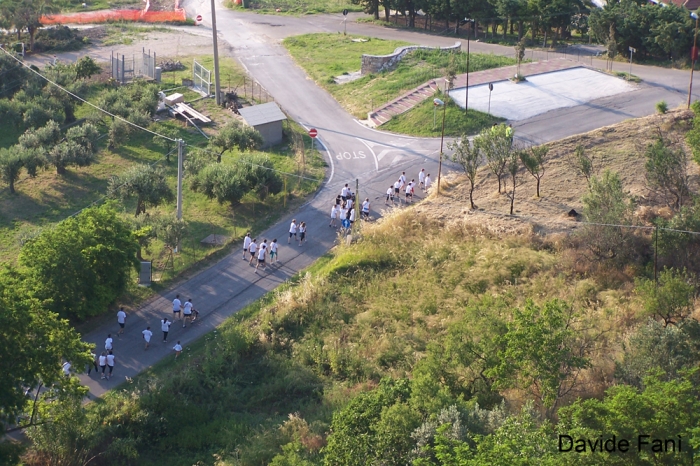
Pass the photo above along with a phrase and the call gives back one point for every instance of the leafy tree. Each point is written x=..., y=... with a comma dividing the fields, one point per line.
x=495, y=144
x=353, y=434
x=11, y=164
x=146, y=183
x=607, y=205
x=34, y=341
x=520, y=51
x=260, y=175
x=627, y=412
x=235, y=135
x=82, y=264
x=470, y=159
x=76, y=148
x=582, y=163
x=513, y=169
x=667, y=172
x=534, y=160
x=118, y=134
x=542, y=352
x=692, y=137
x=86, y=67
x=655, y=347
x=26, y=15
x=672, y=299
x=169, y=142
x=225, y=183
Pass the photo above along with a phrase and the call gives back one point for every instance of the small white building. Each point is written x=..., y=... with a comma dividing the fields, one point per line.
x=267, y=120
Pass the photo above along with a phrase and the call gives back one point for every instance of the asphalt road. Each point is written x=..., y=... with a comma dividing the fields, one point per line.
x=352, y=151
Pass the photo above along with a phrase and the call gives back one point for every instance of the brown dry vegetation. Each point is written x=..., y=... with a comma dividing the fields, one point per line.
x=619, y=148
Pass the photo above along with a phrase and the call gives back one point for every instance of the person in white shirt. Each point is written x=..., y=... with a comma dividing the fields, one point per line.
x=427, y=181
x=402, y=178
x=421, y=178
x=177, y=306
x=66, y=368
x=121, y=319
x=108, y=342
x=187, y=312
x=389, y=195
x=273, y=251
x=352, y=217
x=409, y=192
x=334, y=215
x=246, y=244
x=178, y=349
x=292, y=231
x=365, y=209
x=147, y=334
x=345, y=192
x=253, y=248
x=261, y=255
x=397, y=191
x=302, y=232
x=349, y=204
x=110, y=364
x=103, y=363
x=165, y=327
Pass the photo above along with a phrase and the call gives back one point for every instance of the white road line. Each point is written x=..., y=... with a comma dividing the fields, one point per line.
x=327, y=152
x=376, y=162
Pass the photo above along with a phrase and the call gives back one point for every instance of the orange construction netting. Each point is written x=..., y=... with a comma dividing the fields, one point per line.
x=116, y=15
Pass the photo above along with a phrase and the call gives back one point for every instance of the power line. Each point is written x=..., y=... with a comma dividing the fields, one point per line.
x=85, y=101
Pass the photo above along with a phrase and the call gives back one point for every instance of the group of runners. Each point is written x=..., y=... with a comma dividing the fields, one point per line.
x=260, y=251
x=393, y=193
x=344, y=208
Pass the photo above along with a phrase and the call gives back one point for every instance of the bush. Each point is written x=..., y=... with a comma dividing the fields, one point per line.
x=58, y=39
x=662, y=107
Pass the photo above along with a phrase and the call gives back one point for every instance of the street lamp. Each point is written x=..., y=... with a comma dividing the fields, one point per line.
x=694, y=56
x=439, y=102
x=466, y=90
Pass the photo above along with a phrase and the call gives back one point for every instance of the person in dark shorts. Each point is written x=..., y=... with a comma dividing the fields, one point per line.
x=302, y=232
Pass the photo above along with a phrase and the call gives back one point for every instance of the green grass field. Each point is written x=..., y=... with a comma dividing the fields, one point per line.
x=325, y=56
x=426, y=120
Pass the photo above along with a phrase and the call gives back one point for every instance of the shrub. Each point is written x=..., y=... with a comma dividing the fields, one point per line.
x=662, y=107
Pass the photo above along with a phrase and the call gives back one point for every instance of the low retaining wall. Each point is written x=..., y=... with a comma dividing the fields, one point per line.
x=379, y=63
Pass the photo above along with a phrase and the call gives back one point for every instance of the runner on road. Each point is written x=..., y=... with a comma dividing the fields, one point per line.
x=108, y=342
x=246, y=244
x=177, y=307
x=389, y=195
x=261, y=255
x=292, y=231
x=427, y=182
x=421, y=179
x=273, y=251
x=397, y=191
x=177, y=348
x=103, y=363
x=93, y=363
x=302, y=232
x=147, y=334
x=365, y=209
x=253, y=248
x=187, y=312
x=110, y=364
x=121, y=319
x=165, y=327
x=334, y=215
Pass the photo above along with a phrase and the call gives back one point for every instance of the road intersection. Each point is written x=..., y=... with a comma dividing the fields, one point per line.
x=352, y=152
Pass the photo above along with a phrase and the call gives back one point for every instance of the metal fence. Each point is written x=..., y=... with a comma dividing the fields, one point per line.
x=127, y=69
x=201, y=77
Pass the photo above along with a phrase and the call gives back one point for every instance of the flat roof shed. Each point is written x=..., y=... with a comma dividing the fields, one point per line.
x=267, y=120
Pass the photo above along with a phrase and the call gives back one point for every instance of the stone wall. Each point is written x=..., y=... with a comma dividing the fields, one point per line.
x=379, y=63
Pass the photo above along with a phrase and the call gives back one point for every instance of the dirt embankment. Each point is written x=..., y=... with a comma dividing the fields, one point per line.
x=619, y=148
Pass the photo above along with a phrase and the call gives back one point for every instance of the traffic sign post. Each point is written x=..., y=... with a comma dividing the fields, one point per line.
x=490, y=91
x=345, y=21
x=632, y=50
x=313, y=133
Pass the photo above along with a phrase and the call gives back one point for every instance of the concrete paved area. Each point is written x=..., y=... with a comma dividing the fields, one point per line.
x=542, y=93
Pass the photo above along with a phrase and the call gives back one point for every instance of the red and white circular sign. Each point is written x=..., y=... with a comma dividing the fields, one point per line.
x=199, y=18
x=313, y=133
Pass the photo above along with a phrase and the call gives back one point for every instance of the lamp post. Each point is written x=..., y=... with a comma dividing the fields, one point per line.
x=694, y=56
x=466, y=89
x=439, y=102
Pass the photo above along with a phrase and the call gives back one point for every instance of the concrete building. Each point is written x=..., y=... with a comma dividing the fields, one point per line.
x=267, y=120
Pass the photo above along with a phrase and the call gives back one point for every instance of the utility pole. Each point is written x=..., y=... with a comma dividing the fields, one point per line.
x=180, y=155
x=466, y=89
x=216, y=53
x=694, y=55
x=442, y=139
x=629, y=76
x=356, y=205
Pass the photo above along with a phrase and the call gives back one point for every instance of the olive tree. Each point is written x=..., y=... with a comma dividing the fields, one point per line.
x=469, y=158
x=147, y=184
